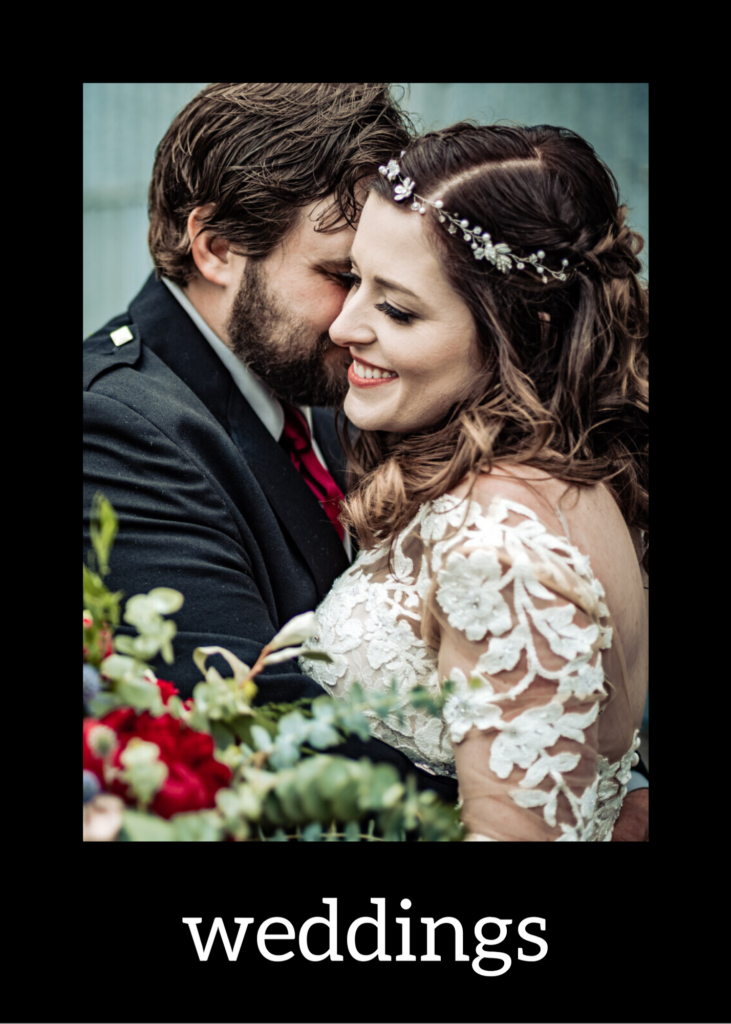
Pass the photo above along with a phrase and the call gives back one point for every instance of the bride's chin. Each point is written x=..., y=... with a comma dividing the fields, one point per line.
x=363, y=419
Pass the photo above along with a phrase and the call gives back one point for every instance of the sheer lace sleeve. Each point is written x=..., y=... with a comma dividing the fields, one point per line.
x=520, y=622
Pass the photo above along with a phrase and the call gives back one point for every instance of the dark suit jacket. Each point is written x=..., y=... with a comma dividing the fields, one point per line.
x=208, y=502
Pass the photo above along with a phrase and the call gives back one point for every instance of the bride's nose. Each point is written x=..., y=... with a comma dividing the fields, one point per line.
x=349, y=329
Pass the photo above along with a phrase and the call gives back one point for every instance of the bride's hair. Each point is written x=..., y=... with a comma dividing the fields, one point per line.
x=567, y=393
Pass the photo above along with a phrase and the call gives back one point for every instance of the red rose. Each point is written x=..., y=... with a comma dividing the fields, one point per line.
x=194, y=775
x=168, y=690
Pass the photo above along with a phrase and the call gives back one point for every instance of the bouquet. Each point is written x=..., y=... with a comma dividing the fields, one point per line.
x=215, y=767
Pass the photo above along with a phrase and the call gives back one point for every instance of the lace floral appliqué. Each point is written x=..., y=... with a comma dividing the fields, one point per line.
x=488, y=590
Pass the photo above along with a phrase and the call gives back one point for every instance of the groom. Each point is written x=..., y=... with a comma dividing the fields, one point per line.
x=203, y=418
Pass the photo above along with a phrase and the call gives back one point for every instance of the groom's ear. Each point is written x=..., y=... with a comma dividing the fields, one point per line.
x=210, y=252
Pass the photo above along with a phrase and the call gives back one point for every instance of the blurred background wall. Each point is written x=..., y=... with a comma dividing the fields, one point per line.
x=123, y=123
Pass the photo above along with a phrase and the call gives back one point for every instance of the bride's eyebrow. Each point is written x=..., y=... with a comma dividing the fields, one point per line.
x=389, y=284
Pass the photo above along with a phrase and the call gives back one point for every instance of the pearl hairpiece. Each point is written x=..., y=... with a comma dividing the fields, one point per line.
x=482, y=246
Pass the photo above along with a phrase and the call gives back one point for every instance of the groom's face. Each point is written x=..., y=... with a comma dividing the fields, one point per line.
x=279, y=321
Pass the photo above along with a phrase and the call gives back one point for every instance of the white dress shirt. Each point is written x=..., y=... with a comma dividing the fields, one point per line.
x=259, y=397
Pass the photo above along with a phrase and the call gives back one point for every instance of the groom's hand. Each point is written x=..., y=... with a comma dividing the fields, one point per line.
x=633, y=823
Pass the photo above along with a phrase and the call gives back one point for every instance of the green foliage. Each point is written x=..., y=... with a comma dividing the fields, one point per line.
x=139, y=827
x=143, y=772
x=103, y=529
x=283, y=787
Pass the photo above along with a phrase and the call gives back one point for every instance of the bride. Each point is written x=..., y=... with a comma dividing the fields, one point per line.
x=498, y=332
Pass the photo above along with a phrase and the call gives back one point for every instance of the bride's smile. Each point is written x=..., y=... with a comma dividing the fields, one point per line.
x=363, y=374
x=412, y=338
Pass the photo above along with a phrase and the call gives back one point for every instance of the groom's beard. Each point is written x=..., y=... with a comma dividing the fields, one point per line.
x=296, y=364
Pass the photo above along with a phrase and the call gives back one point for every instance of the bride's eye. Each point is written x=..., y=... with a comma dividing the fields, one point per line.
x=395, y=314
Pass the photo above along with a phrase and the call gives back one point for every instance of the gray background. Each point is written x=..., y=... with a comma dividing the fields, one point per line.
x=123, y=123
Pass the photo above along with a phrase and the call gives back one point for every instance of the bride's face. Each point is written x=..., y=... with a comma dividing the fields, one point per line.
x=402, y=317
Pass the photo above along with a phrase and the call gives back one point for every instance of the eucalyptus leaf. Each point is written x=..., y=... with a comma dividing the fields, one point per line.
x=322, y=735
x=345, y=800
x=261, y=738
x=141, y=827
x=284, y=755
x=198, y=826
x=294, y=726
x=289, y=796
x=333, y=776
x=140, y=611
x=143, y=771
x=325, y=708
x=316, y=807
x=166, y=600
x=119, y=666
x=103, y=530
x=222, y=735
x=105, y=701
x=352, y=832
x=138, y=693
x=166, y=650
x=124, y=644
x=312, y=833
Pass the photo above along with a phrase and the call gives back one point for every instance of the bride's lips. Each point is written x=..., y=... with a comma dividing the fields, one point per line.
x=367, y=382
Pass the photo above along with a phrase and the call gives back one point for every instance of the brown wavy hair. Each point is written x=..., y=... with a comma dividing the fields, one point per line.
x=259, y=152
x=565, y=393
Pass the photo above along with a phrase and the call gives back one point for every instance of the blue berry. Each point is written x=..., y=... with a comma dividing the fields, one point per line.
x=91, y=786
x=92, y=684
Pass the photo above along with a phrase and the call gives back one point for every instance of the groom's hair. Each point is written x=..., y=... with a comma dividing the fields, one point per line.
x=260, y=152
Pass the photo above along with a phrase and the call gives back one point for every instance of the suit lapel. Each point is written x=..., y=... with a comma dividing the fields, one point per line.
x=292, y=500
x=172, y=335
x=168, y=330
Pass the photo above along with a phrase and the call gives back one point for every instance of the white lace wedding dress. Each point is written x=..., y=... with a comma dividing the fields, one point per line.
x=540, y=740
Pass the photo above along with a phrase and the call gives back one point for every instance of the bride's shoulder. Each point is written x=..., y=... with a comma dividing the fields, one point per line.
x=523, y=487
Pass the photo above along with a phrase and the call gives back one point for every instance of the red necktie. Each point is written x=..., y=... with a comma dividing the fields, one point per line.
x=297, y=440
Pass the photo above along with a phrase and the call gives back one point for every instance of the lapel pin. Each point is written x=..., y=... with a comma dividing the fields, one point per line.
x=121, y=336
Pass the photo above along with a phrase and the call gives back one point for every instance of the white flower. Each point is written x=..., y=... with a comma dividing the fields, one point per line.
x=391, y=170
x=403, y=191
x=469, y=593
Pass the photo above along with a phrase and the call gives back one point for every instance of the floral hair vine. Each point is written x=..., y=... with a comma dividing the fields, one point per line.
x=482, y=246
